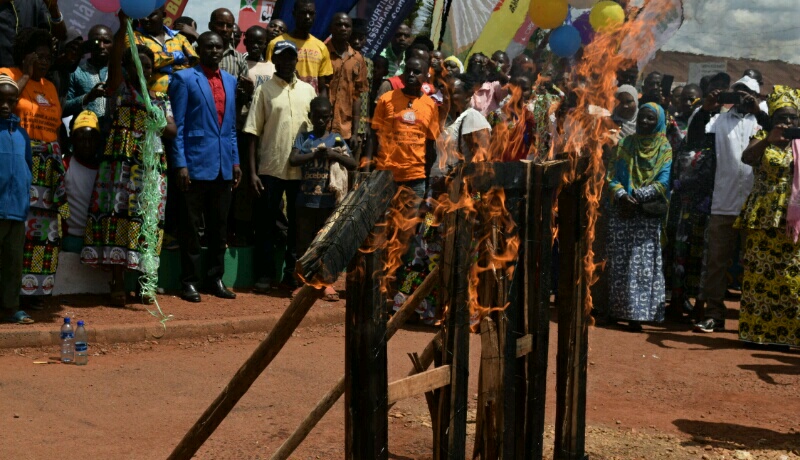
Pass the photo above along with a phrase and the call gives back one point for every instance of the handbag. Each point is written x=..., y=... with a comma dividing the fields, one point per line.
x=656, y=208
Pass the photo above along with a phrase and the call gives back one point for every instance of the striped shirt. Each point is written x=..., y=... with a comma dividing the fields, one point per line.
x=234, y=63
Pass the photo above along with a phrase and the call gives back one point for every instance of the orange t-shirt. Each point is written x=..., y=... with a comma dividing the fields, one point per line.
x=403, y=124
x=38, y=109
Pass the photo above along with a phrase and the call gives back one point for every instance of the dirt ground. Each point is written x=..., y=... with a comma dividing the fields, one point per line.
x=662, y=394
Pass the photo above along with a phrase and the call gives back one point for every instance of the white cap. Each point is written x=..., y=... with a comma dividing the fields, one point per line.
x=750, y=83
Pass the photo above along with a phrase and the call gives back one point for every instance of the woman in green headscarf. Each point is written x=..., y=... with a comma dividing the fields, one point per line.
x=638, y=182
x=770, y=310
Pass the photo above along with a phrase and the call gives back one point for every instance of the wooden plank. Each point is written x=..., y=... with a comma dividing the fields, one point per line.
x=263, y=355
x=486, y=435
x=366, y=378
x=431, y=397
x=538, y=256
x=451, y=435
x=418, y=384
x=524, y=345
x=572, y=330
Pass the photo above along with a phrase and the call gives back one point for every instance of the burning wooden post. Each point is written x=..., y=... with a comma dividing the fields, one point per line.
x=573, y=328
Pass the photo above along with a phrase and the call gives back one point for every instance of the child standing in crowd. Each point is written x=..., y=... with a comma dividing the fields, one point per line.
x=318, y=153
x=16, y=163
x=82, y=171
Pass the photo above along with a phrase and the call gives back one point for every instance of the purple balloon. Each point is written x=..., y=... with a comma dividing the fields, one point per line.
x=584, y=28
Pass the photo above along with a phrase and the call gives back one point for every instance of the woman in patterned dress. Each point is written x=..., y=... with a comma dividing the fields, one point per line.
x=114, y=222
x=638, y=181
x=770, y=309
x=39, y=111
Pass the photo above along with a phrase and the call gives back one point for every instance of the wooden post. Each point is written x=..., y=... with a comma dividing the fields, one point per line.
x=366, y=378
x=247, y=374
x=451, y=435
x=538, y=259
x=572, y=328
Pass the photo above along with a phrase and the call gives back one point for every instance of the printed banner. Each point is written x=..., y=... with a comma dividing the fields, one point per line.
x=386, y=16
x=503, y=24
x=81, y=15
x=325, y=12
x=522, y=38
x=254, y=13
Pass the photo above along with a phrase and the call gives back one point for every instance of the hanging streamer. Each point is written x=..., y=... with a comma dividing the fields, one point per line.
x=150, y=197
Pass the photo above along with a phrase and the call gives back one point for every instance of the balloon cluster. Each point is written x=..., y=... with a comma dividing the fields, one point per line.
x=566, y=39
x=135, y=9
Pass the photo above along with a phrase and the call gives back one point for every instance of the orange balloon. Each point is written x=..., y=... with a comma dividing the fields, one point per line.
x=548, y=14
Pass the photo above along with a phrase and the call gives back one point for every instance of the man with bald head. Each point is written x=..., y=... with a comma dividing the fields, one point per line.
x=313, y=58
x=86, y=89
x=349, y=79
x=222, y=23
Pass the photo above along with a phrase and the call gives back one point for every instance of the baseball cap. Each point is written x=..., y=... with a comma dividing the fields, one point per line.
x=284, y=45
x=749, y=83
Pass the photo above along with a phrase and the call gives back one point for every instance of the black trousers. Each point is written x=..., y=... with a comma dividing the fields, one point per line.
x=267, y=211
x=206, y=202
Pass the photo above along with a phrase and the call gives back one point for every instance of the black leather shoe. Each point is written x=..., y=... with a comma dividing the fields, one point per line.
x=217, y=288
x=190, y=294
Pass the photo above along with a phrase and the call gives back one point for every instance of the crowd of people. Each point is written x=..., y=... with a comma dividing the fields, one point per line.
x=257, y=147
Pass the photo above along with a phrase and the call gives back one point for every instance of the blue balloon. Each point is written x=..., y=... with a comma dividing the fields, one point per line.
x=160, y=3
x=565, y=41
x=138, y=9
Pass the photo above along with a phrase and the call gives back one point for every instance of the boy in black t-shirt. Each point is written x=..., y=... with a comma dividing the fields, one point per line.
x=316, y=152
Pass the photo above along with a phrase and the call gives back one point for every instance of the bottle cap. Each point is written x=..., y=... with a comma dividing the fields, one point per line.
x=80, y=323
x=67, y=320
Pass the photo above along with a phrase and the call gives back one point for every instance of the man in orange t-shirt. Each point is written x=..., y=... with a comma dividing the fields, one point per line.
x=405, y=122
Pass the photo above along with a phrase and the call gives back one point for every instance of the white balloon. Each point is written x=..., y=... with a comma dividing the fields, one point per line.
x=582, y=4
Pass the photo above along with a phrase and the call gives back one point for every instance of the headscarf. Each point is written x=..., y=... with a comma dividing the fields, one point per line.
x=627, y=126
x=783, y=96
x=457, y=61
x=642, y=157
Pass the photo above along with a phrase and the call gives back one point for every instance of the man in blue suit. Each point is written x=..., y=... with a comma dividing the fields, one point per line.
x=206, y=159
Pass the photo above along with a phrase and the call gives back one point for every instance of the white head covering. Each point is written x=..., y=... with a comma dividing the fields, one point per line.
x=628, y=126
x=748, y=82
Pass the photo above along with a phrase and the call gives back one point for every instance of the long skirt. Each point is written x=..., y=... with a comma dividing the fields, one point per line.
x=689, y=267
x=770, y=311
x=114, y=224
x=43, y=225
x=635, y=268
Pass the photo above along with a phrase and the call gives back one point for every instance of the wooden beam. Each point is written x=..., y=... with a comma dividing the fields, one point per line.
x=366, y=373
x=418, y=384
x=247, y=374
x=524, y=345
x=571, y=361
x=346, y=229
x=326, y=403
x=542, y=180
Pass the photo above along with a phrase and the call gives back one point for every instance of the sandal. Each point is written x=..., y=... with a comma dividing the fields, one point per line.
x=20, y=317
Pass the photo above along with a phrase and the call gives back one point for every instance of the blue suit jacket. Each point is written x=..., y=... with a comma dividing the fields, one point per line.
x=205, y=148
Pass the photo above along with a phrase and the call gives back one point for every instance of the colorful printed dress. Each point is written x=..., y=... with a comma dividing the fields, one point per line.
x=39, y=111
x=770, y=310
x=114, y=222
x=641, y=168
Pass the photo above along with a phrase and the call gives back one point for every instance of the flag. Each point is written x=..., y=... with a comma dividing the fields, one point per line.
x=254, y=13
x=464, y=25
x=502, y=26
x=325, y=12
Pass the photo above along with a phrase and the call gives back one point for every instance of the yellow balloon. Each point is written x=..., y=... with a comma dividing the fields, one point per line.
x=606, y=16
x=548, y=14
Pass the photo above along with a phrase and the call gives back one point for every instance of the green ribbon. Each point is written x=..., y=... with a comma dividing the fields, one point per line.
x=150, y=196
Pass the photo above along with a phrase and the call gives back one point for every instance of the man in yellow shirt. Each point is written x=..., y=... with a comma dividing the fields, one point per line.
x=313, y=59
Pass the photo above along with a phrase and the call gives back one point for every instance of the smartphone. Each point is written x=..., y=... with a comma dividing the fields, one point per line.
x=666, y=86
x=730, y=98
x=791, y=133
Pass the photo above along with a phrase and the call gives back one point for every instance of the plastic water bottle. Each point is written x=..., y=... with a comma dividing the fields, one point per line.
x=67, y=342
x=81, y=345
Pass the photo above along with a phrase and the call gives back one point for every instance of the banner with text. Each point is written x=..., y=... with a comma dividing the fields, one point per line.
x=386, y=16
x=322, y=21
x=254, y=13
x=502, y=27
